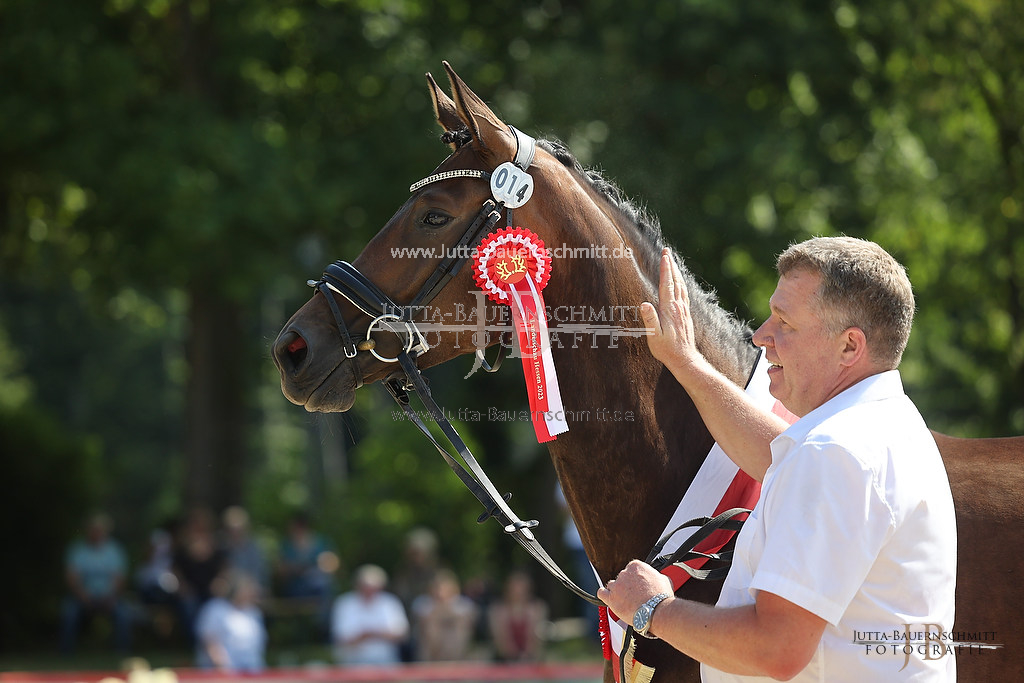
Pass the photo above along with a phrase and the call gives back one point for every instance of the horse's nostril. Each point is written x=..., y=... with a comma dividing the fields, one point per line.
x=297, y=351
x=291, y=351
x=298, y=345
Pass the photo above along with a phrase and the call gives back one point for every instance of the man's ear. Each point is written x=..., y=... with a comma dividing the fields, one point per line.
x=854, y=346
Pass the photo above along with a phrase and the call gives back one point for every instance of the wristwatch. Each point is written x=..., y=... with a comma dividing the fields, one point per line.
x=642, y=617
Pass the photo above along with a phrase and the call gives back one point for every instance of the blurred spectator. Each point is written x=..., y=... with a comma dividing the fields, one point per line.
x=244, y=553
x=414, y=575
x=419, y=566
x=480, y=589
x=155, y=580
x=230, y=635
x=445, y=621
x=368, y=624
x=305, y=561
x=156, y=584
x=198, y=560
x=95, y=570
x=516, y=621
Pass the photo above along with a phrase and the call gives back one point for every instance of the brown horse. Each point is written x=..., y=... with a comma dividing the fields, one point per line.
x=621, y=477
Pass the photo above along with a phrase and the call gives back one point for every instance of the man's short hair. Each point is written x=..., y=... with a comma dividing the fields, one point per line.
x=371, y=576
x=863, y=286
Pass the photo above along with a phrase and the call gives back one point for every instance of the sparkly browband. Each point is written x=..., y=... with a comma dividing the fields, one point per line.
x=445, y=175
x=526, y=147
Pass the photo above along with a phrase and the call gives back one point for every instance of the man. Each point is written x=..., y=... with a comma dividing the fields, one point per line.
x=368, y=624
x=854, y=532
x=231, y=636
x=95, y=569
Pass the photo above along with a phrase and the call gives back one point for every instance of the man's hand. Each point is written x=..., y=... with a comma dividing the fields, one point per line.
x=635, y=585
x=740, y=426
x=672, y=339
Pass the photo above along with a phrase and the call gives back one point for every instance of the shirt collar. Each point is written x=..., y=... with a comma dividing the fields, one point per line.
x=877, y=387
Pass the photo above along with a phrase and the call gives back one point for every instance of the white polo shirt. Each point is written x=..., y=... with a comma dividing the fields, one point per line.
x=855, y=523
x=353, y=615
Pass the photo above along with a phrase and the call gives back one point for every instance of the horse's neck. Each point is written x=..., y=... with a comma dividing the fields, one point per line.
x=636, y=440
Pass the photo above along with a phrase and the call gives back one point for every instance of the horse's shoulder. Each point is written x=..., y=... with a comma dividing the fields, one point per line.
x=984, y=473
x=1008, y=449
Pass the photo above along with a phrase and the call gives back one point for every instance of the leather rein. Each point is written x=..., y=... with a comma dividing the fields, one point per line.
x=346, y=280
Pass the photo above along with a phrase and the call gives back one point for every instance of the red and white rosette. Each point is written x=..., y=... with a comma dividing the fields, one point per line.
x=512, y=266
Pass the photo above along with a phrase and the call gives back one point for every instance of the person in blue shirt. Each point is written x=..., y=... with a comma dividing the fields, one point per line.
x=95, y=571
x=230, y=633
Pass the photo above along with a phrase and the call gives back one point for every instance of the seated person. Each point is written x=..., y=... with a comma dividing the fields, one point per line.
x=516, y=621
x=155, y=581
x=244, y=552
x=304, y=561
x=230, y=635
x=197, y=561
x=95, y=570
x=444, y=621
x=368, y=624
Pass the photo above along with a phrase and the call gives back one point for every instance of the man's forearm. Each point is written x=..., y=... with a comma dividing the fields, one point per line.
x=741, y=428
x=772, y=637
x=735, y=640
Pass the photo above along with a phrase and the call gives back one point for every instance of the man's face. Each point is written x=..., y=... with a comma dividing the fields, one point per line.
x=96, y=532
x=805, y=358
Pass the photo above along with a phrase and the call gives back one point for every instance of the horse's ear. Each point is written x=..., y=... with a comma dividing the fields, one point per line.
x=444, y=109
x=484, y=125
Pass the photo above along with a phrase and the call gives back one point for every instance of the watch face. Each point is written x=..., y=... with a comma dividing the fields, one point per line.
x=643, y=613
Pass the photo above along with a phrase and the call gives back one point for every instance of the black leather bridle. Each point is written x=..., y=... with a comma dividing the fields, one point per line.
x=347, y=281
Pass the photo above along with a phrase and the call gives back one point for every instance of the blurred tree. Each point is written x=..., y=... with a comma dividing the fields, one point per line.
x=35, y=448
x=747, y=127
x=943, y=179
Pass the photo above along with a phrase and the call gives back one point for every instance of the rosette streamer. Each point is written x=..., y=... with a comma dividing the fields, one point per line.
x=512, y=266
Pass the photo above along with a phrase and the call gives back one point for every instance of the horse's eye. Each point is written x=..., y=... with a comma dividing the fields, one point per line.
x=436, y=219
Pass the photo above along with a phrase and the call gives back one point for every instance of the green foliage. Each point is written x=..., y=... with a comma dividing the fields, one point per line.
x=944, y=177
x=368, y=495
x=112, y=369
x=51, y=481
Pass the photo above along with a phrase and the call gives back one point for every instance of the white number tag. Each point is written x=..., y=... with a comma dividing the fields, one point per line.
x=511, y=185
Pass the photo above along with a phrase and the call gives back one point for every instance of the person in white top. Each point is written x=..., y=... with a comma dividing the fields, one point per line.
x=845, y=569
x=230, y=631
x=368, y=624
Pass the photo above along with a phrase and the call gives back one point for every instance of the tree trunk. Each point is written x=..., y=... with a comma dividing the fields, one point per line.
x=215, y=453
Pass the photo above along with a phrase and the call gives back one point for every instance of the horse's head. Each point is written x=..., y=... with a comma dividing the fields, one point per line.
x=406, y=260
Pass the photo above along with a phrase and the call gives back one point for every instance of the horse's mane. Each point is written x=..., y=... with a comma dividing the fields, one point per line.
x=723, y=327
x=646, y=223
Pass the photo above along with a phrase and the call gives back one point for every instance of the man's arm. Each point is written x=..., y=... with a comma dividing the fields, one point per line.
x=739, y=426
x=74, y=581
x=773, y=637
x=217, y=653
